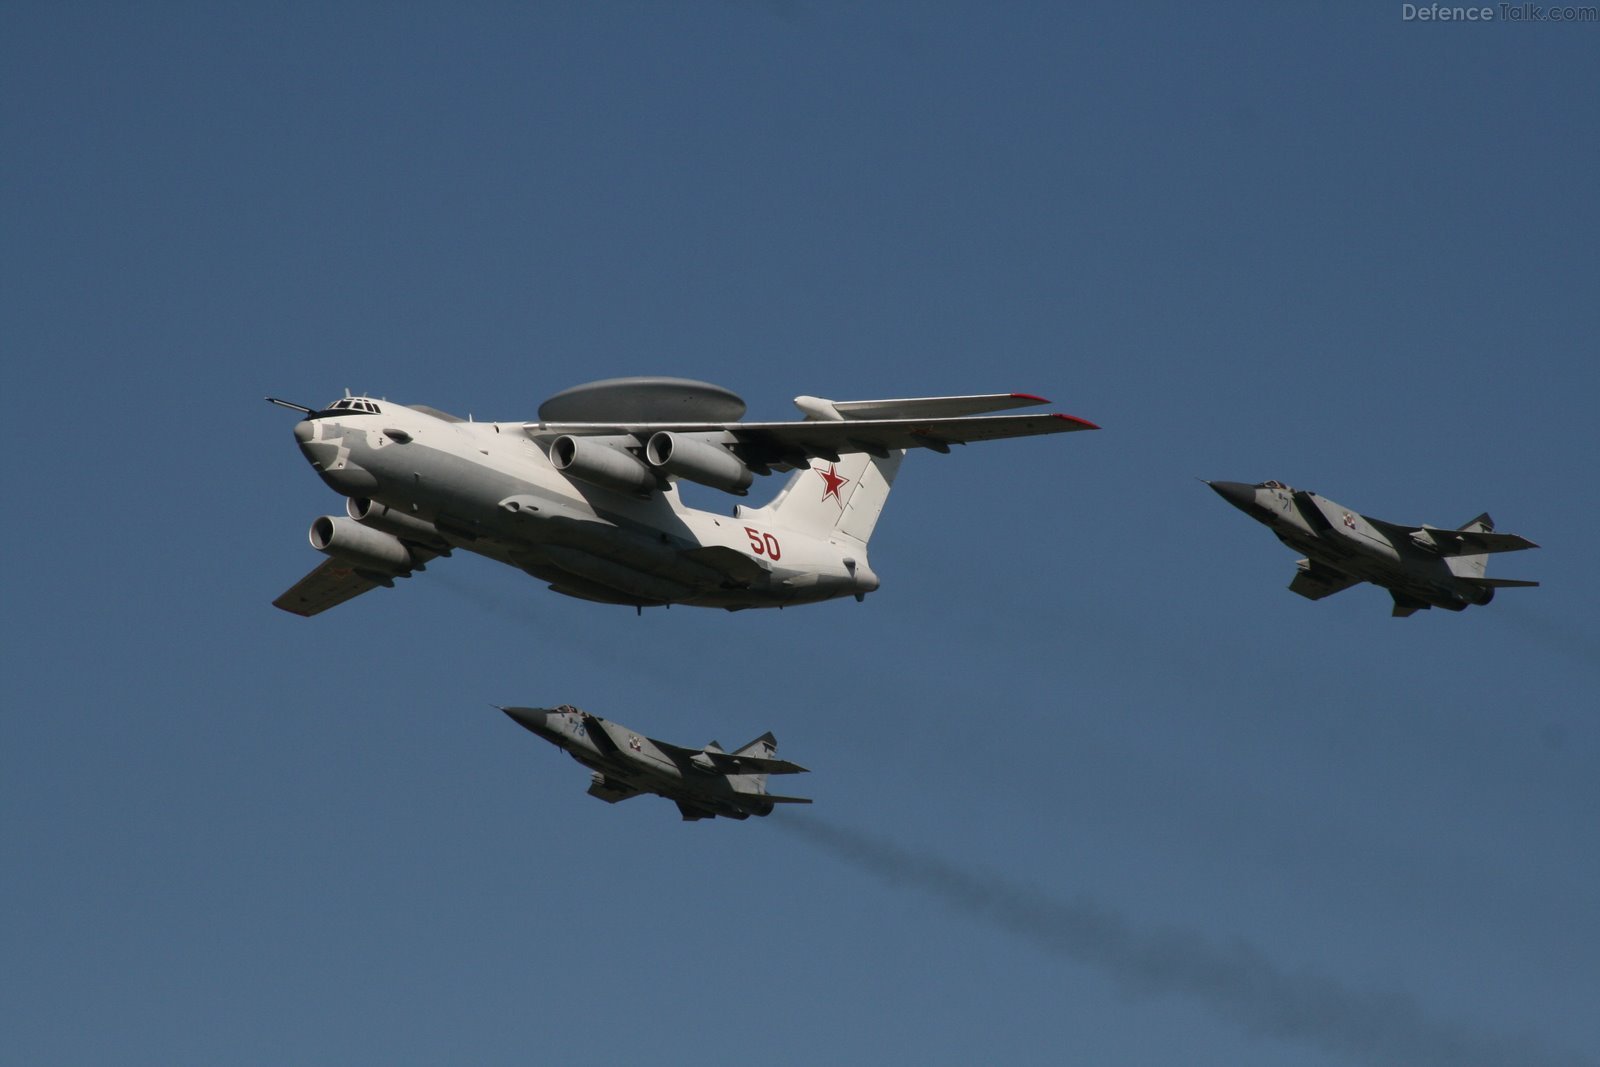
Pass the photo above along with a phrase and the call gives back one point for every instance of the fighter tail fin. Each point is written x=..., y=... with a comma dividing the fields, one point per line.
x=1474, y=565
x=763, y=747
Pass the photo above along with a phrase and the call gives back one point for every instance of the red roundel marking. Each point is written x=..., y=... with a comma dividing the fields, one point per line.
x=833, y=481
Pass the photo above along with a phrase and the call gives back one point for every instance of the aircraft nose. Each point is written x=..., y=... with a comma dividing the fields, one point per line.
x=1238, y=494
x=529, y=718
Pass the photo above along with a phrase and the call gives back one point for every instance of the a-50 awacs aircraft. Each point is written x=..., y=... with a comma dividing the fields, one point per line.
x=586, y=498
x=1421, y=566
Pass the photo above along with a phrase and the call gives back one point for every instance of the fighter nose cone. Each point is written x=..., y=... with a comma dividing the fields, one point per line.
x=528, y=718
x=1238, y=494
x=303, y=431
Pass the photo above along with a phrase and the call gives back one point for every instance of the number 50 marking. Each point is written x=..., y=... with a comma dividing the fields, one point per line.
x=763, y=544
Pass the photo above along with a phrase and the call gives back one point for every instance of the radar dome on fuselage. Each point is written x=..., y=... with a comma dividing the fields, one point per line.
x=643, y=399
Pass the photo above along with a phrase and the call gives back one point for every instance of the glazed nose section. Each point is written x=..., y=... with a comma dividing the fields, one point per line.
x=1238, y=494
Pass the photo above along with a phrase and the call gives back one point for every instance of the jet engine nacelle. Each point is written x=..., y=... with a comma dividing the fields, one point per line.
x=602, y=461
x=697, y=460
x=361, y=546
x=407, y=527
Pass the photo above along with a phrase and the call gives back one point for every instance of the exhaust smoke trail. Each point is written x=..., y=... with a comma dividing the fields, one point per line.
x=1233, y=979
x=1559, y=636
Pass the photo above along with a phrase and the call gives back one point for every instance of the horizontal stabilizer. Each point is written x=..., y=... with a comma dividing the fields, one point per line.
x=1498, y=583
x=773, y=798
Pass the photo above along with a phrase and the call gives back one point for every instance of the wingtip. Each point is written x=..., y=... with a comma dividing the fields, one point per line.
x=1082, y=424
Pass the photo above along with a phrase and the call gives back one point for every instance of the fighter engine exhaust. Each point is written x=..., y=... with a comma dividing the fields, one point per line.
x=697, y=460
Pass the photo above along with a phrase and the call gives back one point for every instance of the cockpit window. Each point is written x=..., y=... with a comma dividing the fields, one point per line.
x=354, y=404
x=1273, y=485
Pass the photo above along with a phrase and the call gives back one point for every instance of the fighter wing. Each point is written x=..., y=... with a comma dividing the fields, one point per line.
x=330, y=585
x=728, y=763
x=1314, y=580
x=1467, y=542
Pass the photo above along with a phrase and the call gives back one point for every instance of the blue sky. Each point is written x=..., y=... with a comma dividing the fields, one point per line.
x=1091, y=786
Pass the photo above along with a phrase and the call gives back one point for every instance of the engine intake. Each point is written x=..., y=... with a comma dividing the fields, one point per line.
x=362, y=546
x=697, y=460
x=602, y=461
x=406, y=527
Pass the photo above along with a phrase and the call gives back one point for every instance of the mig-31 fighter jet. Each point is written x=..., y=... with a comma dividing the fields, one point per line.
x=704, y=783
x=586, y=498
x=1421, y=566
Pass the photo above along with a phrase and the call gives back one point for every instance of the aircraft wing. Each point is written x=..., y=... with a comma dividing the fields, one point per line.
x=1314, y=580
x=330, y=585
x=772, y=444
x=728, y=763
x=1467, y=542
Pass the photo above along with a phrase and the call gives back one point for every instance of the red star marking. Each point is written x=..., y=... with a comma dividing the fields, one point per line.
x=835, y=482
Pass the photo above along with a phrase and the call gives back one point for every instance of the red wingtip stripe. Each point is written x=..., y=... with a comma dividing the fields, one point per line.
x=1029, y=396
x=1085, y=423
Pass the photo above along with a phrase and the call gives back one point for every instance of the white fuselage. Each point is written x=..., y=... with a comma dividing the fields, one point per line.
x=490, y=488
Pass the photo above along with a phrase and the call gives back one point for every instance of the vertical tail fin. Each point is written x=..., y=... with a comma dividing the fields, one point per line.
x=763, y=747
x=843, y=498
x=1475, y=565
